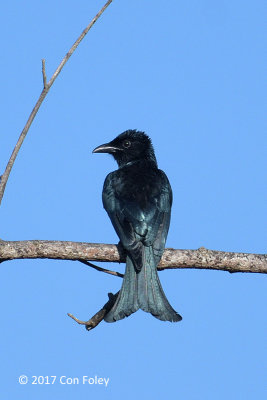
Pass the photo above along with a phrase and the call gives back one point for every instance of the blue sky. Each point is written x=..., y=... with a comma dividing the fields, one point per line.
x=190, y=74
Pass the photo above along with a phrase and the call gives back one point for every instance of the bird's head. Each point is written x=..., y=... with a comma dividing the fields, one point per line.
x=128, y=147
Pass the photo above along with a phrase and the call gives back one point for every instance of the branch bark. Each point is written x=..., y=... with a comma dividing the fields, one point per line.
x=47, y=86
x=201, y=258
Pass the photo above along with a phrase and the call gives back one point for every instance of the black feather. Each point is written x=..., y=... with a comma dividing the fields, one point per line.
x=138, y=200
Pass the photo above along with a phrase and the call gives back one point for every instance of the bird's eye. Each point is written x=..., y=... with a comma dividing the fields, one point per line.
x=126, y=144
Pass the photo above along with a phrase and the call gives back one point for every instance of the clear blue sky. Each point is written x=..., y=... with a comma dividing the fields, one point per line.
x=191, y=75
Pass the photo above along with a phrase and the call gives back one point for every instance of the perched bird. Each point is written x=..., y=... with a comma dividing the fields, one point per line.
x=138, y=198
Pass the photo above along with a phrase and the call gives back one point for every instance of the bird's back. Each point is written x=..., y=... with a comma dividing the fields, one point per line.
x=141, y=183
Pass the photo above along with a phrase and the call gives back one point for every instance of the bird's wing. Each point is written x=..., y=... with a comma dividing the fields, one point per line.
x=135, y=226
x=160, y=222
x=115, y=208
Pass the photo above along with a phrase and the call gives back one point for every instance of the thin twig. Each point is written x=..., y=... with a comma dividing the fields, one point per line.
x=79, y=321
x=107, y=271
x=44, y=73
x=99, y=316
x=76, y=44
x=5, y=176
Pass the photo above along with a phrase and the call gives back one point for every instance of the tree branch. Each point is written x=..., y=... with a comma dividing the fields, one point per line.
x=47, y=86
x=99, y=316
x=107, y=271
x=201, y=259
x=171, y=259
x=44, y=74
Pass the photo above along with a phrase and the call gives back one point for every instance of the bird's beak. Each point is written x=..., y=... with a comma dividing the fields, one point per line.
x=106, y=148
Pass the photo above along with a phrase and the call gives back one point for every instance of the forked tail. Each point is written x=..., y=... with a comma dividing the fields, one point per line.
x=142, y=290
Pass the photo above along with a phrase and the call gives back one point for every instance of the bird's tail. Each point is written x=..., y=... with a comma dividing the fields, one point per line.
x=143, y=290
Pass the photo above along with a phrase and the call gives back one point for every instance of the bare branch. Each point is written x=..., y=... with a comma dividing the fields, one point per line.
x=200, y=259
x=44, y=73
x=107, y=271
x=76, y=44
x=99, y=316
x=47, y=86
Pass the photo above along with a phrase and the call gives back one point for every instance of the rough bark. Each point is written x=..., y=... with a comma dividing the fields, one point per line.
x=201, y=258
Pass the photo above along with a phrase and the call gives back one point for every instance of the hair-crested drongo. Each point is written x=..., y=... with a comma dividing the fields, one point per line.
x=138, y=198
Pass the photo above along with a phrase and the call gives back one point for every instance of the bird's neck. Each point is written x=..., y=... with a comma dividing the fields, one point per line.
x=142, y=162
x=148, y=157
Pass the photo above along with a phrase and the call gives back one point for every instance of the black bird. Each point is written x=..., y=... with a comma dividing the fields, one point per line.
x=138, y=199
